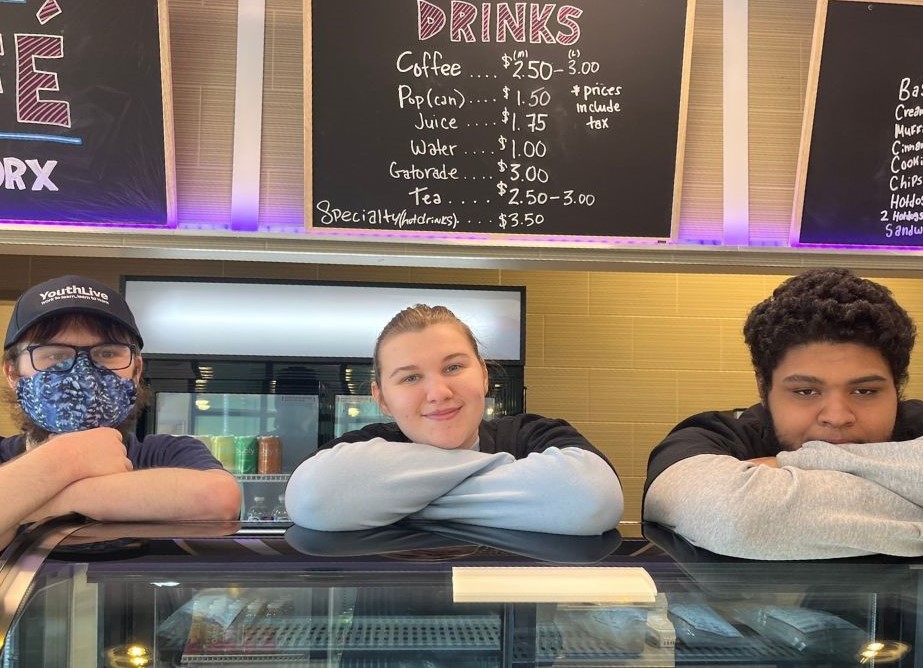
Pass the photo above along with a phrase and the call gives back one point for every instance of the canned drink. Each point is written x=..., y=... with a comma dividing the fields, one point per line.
x=245, y=454
x=270, y=454
x=223, y=449
x=207, y=440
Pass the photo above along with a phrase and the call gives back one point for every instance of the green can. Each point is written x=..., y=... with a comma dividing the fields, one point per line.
x=245, y=454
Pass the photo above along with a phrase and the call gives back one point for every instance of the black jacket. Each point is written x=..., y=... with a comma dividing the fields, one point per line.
x=750, y=436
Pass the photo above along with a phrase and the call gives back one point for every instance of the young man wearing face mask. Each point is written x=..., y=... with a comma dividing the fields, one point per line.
x=72, y=361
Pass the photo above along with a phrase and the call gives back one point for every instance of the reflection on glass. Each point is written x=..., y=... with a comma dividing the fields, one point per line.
x=292, y=417
x=245, y=601
x=354, y=411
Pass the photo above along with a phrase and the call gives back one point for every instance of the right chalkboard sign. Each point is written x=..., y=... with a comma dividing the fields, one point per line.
x=860, y=169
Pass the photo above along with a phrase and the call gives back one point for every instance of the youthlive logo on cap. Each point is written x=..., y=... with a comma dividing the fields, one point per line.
x=75, y=291
x=69, y=294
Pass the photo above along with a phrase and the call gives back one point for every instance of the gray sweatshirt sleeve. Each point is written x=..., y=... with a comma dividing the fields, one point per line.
x=566, y=491
x=747, y=510
x=896, y=465
x=374, y=483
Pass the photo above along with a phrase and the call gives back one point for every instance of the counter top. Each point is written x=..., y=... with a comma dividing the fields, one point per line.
x=388, y=595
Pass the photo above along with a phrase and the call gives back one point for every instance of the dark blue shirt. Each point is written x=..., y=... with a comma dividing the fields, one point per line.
x=155, y=451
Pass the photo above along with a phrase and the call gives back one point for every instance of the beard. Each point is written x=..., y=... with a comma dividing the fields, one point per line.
x=36, y=435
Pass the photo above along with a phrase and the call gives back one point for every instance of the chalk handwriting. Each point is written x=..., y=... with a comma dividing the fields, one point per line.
x=905, y=164
x=495, y=117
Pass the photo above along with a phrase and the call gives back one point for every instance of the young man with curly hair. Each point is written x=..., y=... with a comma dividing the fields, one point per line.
x=830, y=462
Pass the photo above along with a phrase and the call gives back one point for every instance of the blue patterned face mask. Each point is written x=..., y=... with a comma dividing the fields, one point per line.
x=84, y=398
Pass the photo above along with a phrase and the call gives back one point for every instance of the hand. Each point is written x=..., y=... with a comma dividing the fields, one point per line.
x=765, y=461
x=91, y=453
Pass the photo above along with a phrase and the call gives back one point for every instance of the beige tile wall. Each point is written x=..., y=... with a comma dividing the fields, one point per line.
x=622, y=355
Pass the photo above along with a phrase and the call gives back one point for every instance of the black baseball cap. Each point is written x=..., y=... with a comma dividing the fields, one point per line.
x=68, y=294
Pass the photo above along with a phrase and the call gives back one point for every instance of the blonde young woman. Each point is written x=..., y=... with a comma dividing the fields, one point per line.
x=439, y=460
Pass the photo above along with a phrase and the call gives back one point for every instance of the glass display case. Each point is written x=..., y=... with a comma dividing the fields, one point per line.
x=215, y=594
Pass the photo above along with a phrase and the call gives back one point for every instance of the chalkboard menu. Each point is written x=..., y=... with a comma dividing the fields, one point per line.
x=860, y=179
x=84, y=112
x=444, y=116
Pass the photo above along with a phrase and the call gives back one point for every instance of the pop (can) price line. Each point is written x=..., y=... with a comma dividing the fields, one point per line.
x=537, y=97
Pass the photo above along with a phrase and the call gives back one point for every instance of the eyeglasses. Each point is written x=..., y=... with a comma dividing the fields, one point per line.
x=60, y=357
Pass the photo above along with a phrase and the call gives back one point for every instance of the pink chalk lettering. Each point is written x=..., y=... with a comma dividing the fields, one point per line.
x=31, y=82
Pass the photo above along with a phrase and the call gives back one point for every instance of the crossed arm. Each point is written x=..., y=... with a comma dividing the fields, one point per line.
x=373, y=483
x=88, y=473
x=822, y=501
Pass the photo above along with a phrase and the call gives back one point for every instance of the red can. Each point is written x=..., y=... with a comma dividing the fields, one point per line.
x=269, y=459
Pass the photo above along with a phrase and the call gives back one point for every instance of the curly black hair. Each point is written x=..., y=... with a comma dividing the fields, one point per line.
x=828, y=306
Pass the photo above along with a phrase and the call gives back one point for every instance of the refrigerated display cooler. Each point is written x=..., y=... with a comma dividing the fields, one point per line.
x=231, y=361
x=83, y=594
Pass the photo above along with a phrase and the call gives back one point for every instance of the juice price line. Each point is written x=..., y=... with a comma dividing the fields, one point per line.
x=531, y=121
